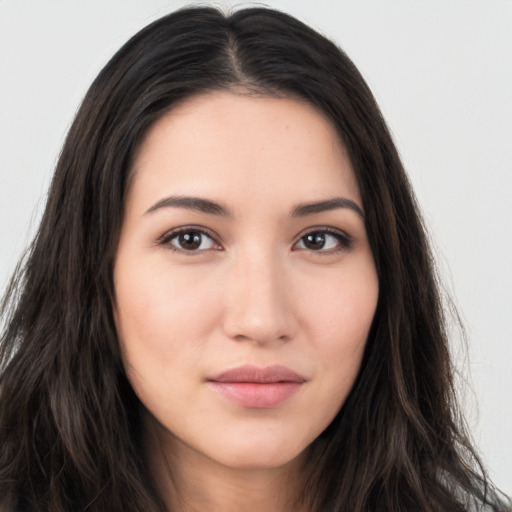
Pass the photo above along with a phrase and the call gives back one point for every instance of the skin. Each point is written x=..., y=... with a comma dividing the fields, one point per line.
x=254, y=292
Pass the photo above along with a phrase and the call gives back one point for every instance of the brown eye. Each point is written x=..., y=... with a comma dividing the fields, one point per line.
x=324, y=241
x=314, y=241
x=189, y=240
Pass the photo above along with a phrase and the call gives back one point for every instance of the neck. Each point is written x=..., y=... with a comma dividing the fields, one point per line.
x=189, y=481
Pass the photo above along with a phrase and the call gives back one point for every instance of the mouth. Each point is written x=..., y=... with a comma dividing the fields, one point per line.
x=258, y=388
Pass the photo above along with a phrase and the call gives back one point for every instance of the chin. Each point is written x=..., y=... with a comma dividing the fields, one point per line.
x=258, y=454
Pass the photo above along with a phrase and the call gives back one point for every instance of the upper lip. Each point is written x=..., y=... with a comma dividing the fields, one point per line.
x=251, y=373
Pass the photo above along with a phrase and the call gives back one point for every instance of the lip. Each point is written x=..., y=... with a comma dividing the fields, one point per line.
x=258, y=388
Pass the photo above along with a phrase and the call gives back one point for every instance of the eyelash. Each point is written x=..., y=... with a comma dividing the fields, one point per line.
x=344, y=240
x=166, y=239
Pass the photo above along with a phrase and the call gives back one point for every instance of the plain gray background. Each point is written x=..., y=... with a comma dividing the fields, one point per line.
x=442, y=74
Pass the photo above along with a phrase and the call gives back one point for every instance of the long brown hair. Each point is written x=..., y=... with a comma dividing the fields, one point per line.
x=69, y=422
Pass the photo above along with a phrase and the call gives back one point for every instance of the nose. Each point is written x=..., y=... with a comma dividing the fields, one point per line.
x=257, y=301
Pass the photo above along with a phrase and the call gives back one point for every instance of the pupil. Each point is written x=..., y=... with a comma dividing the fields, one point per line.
x=190, y=240
x=314, y=241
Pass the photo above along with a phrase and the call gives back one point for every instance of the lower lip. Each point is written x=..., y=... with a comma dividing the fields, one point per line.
x=257, y=395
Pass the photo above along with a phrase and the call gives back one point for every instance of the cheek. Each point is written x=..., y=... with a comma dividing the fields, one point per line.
x=339, y=321
x=340, y=310
x=161, y=321
x=153, y=303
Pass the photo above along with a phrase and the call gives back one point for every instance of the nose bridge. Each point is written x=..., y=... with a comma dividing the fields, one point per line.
x=257, y=302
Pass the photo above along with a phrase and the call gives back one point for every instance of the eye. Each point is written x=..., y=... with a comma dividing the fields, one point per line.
x=324, y=241
x=191, y=240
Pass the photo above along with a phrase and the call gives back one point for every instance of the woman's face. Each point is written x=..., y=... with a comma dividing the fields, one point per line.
x=245, y=285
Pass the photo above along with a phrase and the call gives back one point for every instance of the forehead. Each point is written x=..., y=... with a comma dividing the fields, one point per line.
x=222, y=144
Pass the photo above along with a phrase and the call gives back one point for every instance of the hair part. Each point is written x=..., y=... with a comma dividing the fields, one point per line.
x=70, y=431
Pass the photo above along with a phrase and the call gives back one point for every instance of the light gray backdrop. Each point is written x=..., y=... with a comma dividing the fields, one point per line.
x=442, y=73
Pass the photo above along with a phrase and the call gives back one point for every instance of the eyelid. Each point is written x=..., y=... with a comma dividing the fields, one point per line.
x=346, y=241
x=165, y=239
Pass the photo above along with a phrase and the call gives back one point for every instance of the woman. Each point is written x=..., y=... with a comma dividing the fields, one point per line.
x=230, y=303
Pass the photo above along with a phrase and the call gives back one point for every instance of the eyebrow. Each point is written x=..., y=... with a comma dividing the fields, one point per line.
x=197, y=204
x=302, y=210
x=207, y=206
